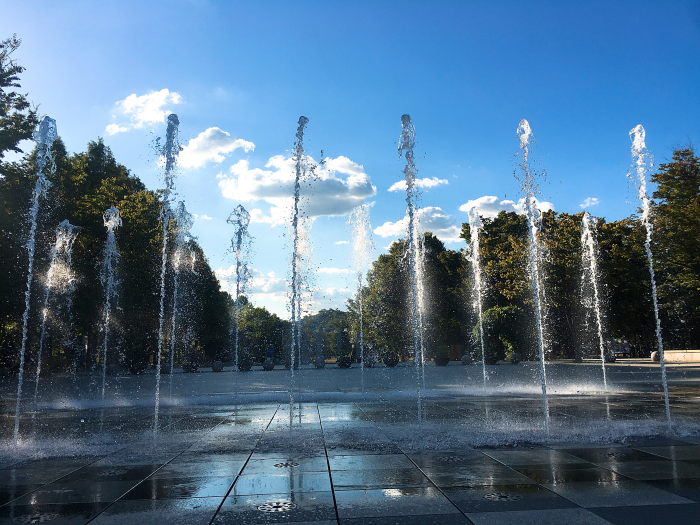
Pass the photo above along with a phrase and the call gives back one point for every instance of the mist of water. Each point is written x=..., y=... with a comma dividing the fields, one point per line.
x=642, y=162
x=475, y=226
x=241, y=245
x=44, y=136
x=169, y=153
x=534, y=218
x=112, y=221
x=59, y=278
x=589, y=246
x=407, y=142
x=362, y=247
x=184, y=221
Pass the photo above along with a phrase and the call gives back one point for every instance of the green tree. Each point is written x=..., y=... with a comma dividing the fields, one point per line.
x=676, y=216
x=17, y=118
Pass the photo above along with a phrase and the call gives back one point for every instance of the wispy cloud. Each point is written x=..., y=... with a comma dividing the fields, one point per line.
x=490, y=206
x=210, y=146
x=144, y=110
x=420, y=183
x=342, y=242
x=590, y=201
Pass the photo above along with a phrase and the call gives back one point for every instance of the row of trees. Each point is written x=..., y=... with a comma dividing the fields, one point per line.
x=449, y=315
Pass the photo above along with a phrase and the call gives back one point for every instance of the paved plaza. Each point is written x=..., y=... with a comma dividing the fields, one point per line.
x=368, y=459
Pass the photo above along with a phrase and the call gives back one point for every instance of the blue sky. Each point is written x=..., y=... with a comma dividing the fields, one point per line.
x=582, y=73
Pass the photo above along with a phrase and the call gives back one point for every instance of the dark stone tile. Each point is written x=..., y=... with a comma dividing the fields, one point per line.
x=646, y=470
x=568, y=473
x=188, y=487
x=379, y=478
x=392, y=502
x=390, y=461
x=650, y=514
x=68, y=514
x=603, y=456
x=656, y=441
x=538, y=517
x=78, y=492
x=184, y=469
x=615, y=494
x=685, y=488
x=287, y=508
x=293, y=481
x=531, y=457
x=505, y=498
x=195, y=511
x=676, y=453
x=359, y=449
x=12, y=492
x=110, y=473
x=438, y=519
x=482, y=473
x=33, y=476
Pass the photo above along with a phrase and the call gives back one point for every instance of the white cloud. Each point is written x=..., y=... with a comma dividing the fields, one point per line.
x=113, y=129
x=490, y=206
x=336, y=291
x=336, y=188
x=430, y=219
x=210, y=146
x=342, y=242
x=590, y=201
x=144, y=109
x=333, y=270
x=205, y=217
x=148, y=109
x=420, y=183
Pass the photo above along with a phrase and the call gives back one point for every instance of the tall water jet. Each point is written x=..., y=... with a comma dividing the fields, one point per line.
x=407, y=142
x=362, y=245
x=44, y=136
x=642, y=161
x=300, y=169
x=475, y=226
x=590, y=274
x=169, y=153
x=534, y=218
x=184, y=221
x=58, y=279
x=241, y=246
x=112, y=221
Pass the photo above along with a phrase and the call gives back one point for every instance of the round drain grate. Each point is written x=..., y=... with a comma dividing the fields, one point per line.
x=287, y=464
x=36, y=518
x=503, y=496
x=451, y=459
x=277, y=506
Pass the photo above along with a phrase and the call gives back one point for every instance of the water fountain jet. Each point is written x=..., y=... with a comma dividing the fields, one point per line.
x=640, y=156
x=534, y=218
x=44, y=135
x=241, y=247
x=590, y=273
x=475, y=226
x=58, y=278
x=112, y=221
x=170, y=152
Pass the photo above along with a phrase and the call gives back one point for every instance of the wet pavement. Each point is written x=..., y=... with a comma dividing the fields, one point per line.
x=352, y=448
x=330, y=463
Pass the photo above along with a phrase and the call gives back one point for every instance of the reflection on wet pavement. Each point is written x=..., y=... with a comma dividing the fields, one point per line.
x=342, y=463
